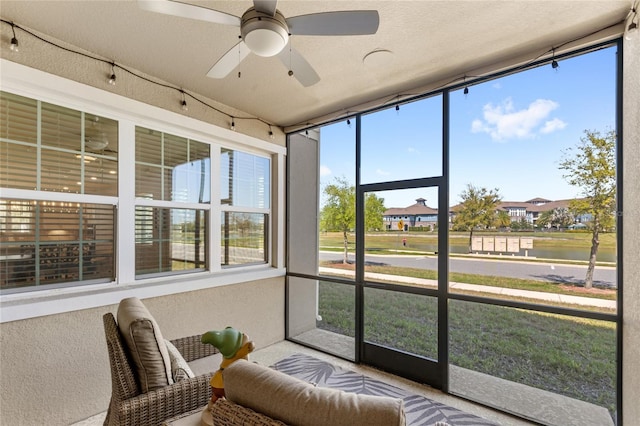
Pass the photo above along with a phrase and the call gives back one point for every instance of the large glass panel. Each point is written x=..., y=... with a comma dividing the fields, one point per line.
x=61, y=171
x=67, y=162
x=170, y=240
x=533, y=181
x=101, y=177
x=61, y=127
x=533, y=184
x=17, y=163
x=245, y=182
x=403, y=143
x=403, y=321
x=401, y=239
x=322, y=315
x=244, y=238
x=336, y=214
x=245, y=179
x=18, y=124
x=51, y=242
x=171, y=168
x=515, y=359
x=18, y=118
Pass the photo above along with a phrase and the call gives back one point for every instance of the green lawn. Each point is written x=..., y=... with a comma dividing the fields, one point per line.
x=392, y=240
x=566, y=355
x=570, y=356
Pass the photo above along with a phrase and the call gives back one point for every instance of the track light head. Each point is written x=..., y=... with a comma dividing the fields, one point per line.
x=466, y=91
x=233, y=124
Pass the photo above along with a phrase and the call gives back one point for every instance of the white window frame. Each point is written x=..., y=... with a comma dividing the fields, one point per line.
x=129, y=113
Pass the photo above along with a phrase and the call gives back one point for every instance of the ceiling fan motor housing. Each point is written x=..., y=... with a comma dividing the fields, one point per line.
x=264, y=35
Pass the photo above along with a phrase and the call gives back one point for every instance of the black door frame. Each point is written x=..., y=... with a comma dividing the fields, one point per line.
x=412, y=366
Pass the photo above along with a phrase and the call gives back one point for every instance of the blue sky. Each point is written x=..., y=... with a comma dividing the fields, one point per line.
x=509, y=133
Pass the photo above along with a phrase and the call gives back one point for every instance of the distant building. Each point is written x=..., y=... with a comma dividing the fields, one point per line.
x=420, y=215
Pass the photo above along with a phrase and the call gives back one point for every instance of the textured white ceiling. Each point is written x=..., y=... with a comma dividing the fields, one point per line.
x=428, y=41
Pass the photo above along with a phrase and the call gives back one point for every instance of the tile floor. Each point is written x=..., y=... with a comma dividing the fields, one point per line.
x=274, y=353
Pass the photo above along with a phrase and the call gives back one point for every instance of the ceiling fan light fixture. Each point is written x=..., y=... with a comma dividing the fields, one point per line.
x=264, y=35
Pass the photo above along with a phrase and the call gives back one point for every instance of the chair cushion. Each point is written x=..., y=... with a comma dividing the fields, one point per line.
x=206, y=365
x=180, y=370
x=145, y=344
x=296, y=402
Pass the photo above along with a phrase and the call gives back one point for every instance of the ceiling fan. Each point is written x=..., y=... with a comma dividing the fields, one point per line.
x=265, y=32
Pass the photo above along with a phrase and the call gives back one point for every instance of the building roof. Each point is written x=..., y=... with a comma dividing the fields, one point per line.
x=420, y=207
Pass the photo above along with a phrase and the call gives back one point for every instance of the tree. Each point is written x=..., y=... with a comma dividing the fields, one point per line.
x=591, y=166
x=477, y=210
x=502, y=219
x=545, y=219
x=373, y=212
x=560, y=217
x=339, y=211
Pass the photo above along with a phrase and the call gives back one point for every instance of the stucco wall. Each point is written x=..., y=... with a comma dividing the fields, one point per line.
x=54, y=370
x=631, y=237
x=36, y=54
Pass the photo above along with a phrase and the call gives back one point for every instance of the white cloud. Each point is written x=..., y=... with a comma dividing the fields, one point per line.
x=325, y=171
x=413, y=150
x=505, y=122
x=382, y=172
x=497, y=86
x=553, y=125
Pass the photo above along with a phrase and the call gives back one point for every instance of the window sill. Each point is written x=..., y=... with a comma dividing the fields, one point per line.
x=14, y=307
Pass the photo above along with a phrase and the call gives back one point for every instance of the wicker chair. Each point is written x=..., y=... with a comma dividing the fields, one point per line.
x=129, y=406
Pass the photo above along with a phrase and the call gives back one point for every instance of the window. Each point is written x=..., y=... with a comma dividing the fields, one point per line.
x=173, y=194
x=50, y=235
x=100, y=194
x=245, y=202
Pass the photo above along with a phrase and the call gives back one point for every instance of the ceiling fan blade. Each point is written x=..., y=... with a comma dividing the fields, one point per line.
x=348, y=22
x=302, y=70
x=190, y=11
x=229, y=61
x=266, y=6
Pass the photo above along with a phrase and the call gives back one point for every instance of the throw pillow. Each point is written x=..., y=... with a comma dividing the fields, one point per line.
x=180, y=370
x=145, y=344
x=295, y=402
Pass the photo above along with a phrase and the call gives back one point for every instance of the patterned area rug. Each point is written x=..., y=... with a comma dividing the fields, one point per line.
x=419, y=410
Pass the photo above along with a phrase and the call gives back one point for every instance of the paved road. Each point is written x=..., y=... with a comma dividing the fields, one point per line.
x=569, y=274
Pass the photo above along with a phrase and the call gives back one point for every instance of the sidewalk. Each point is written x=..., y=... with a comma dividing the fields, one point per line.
x=539, y=295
